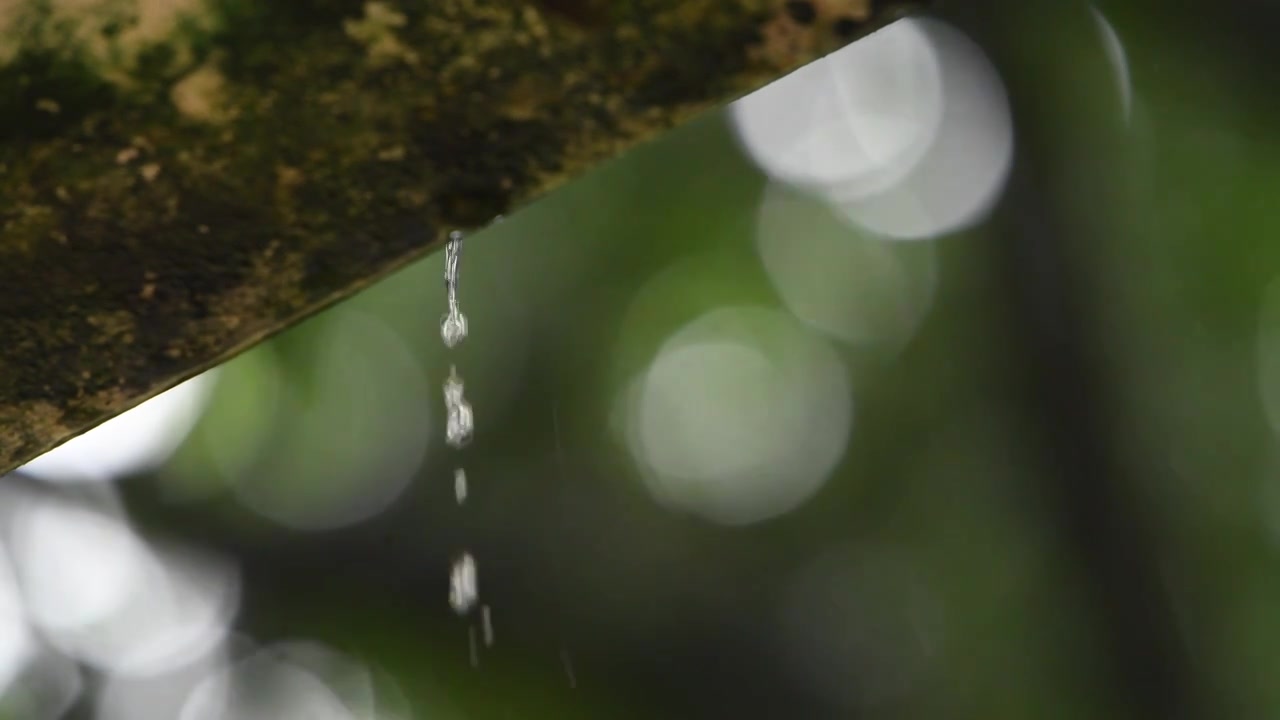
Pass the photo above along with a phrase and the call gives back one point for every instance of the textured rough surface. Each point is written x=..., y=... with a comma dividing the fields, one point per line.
x=181, y=178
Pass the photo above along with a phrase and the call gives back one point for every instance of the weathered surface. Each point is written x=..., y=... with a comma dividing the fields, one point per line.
x=181, y=178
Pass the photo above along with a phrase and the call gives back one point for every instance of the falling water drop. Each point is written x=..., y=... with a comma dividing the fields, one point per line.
x=461, y=422
x=463, y=588
x=453, y=326
x=460, y=485
x=486, y=624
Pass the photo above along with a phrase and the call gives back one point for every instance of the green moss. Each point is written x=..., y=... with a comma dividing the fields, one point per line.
x=47, y=93
x=264, y=37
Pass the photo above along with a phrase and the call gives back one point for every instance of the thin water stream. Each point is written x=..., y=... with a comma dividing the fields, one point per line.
x=464, y=589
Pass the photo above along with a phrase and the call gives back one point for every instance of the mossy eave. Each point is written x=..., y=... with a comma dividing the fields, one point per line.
x=169, y=198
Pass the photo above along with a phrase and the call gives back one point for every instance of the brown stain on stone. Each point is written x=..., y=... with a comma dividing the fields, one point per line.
x=201, y=95
x=376, y=31
x=112, y=36
x=527, y=97
x=31, y=427
x=590, y=14
x=117, y=326
x=275, y=280
x=805, y=28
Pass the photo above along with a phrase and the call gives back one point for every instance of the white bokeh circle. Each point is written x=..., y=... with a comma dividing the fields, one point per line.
x=962, y=174
x=17, y=644
x=356, y=433
x=136, y=441
x=299, y=680
x=859, y=118
x=908, y=131
x=849, y=284
x=742, y=416
x=100, y=594
x=78, y=566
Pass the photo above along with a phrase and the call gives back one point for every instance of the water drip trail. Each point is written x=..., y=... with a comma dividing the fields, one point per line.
x=453, y=326
x=487, y=625
x=464, y=589
x=568, y=668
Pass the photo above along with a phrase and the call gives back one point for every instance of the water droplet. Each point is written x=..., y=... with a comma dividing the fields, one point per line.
x=460, y=485
x=461, y=422
x=453, y=328
x=463, y=587
x=486, y=624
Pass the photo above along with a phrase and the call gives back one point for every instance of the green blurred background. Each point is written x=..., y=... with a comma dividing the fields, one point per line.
x=1054, y=491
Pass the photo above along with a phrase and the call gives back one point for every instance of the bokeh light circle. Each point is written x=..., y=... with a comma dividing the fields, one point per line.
x=78, y=566
x=859, y=118
x=742, y=416
x=138, y=440
x=908, y=132
x=298, y=680
x=353, y=432
x=838, y=279
x=962, y=173
x=100, y=594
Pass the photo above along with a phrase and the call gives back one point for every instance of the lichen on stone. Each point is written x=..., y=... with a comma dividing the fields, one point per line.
x=376, y=30
x=113, y=37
